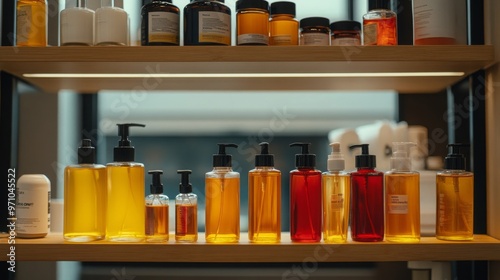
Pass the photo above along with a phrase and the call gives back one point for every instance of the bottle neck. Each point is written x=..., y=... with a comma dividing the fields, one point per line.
x=223, y=169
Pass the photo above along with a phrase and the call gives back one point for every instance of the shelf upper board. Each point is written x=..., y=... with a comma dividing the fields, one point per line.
x=53, y=248
x=245, y=59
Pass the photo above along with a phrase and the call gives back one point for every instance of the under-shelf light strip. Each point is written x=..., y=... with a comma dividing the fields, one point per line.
x=244, y=75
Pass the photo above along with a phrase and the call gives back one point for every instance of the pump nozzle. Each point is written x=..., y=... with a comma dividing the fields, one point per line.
x=123, y=132
x=400, y=159
x=156, y=186
x=86, y=153
x=185, y=186
x=264, y=158
x=124, y=152
x=304, y=160
x=455, y=160
x=365, y=160
x=336, y=161
x=222, y=159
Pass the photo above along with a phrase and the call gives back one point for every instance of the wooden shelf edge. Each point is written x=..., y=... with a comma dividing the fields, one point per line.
x=53, y=248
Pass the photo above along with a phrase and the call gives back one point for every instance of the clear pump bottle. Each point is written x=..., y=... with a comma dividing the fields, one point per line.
x=126, y=210
x=367, y=198
x=455, y=198
x=336, y=195
x=222, y=190
x=402, y=197
x=156, y=210
x=305, y=197
x=85, y=197
x=264, y=199
x=186, y=210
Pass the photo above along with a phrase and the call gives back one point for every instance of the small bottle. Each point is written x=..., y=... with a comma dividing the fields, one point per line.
x=336, y=189
x=346, y=33
x=264, y=199
x=252, y=22
x=77, y=25
x=455, y=198
x=380, y=26
x=33, y=206
x=305, y=197
x=85, y=197
x=283, y=27
x=160, y=24
x=31, y=23
x=186, y=210
x=156, y=210
x=367, y=198
x=111, y=25
x=207, y=22
x=222, y=190
x=314, y=31
x=402, y=197
x=434, y=22
x=125, y=217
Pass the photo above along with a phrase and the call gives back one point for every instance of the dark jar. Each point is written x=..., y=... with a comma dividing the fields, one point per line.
x=346, y=33
x=160, y=24
x=315, y=31
x=207, y=22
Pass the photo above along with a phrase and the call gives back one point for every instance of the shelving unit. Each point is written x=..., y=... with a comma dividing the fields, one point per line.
x=54, y=248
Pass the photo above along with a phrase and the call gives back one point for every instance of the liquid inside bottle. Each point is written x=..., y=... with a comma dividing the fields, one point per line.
x=156, y=223
x=380, y=28
x=336, y=196
x=253, y=27
x=31, y=23
x=186, y=225
x=284, y=31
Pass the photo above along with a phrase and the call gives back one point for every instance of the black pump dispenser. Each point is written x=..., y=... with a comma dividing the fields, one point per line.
x=125, y=152
x=86, y=153
x=455, y=160
x=185, y=186
x=305, y=159
x=365, y=160
x=264, y=158
x=156, y=186
x=222, y=159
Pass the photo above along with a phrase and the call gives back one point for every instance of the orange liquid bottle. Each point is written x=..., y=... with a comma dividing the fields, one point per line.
x=252, y=22
x=31, y=23
x=186, y=211
x=380, y=28
x=283, y=27
x=156, y=211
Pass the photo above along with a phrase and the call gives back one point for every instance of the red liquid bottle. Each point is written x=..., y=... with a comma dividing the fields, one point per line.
x=305, y=197
x=367, y=199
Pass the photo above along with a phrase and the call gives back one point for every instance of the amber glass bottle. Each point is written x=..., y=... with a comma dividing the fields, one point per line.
x=207, y=22
x=380, y=26
x=31, y=23
x=252, y=22
x=283, y=27
x=160, y=24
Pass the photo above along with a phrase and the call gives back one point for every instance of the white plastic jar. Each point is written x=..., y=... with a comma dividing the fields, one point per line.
x=33, y=206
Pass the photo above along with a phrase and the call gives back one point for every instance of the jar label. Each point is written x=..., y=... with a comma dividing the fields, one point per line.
x=163, y=27
x=23, y=24
x=314, y=39
x=257, y=39
x=434, y=19
x=337, y=202
x=398, y=204
x=346, y=42
x=281, y=40
x=214, y=27
x=33, y=211
x=370, y=34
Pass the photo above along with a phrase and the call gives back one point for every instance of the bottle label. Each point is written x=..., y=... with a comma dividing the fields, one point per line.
x=337, y=202
x=182, y=220
x=163, y=27
x=314, y=39
x=281, y=40
x=346, y=42
x=214, y=27
x=434, y=18
x=33, y=211
x=23, y=24
x=253, y=39
x=370, y=34
x=441, y=211
x=398, y=204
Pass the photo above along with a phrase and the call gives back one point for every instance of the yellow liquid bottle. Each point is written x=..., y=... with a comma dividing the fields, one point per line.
x=31, y=23
x=264, y=199
x=455, y=198
x=186, y=211
x=156, y=210
x=402, y=197
x=85, y=197
x=336, y=198
x=222, y=205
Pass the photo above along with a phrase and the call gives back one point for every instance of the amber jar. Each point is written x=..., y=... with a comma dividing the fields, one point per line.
x=346, y=33
x=315, y=31
x=252, y=22
x=207, y=22
x=160, y=24
x=283, y=27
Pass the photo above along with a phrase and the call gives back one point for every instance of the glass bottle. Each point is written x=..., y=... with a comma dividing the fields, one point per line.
x=111, y=25
x=345, y=33
x=186, y=210
x=207, y=22
x=31, y=23
x=380, y=26
x=77, y=25
x=283, y=27
x=252, y=22
x=156, y=210
x=160, y=24
x=314, y=31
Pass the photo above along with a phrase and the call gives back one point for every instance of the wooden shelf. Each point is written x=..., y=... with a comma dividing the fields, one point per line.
x=239, y=59
x=53, y=248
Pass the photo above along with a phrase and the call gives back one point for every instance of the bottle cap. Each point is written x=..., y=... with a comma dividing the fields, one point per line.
x=124, y=152
x=283, y=7
x=156, y=186
x=455, y=160
x=400, y=160
x=264, y=158
x=345, y=25
x=185, y=186
x=365, y=160
x=336, y=161
x=222, y=159
x=314, y=21
x=304, y=160
x=249, y=4
x=86, y=153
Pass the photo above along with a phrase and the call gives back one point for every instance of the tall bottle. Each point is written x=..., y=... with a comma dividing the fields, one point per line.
x=283, y=27
x=455, y=198
x=77, y=25
x=380, y=26
x=434, y=22
x=305, y=197
x=367, y=198
x=222, y=190
x=111, y=25
x=31, y=23
x=85, y=197
x=264, y=199
x=160, y=24
x=186, y=210
x=336, y=195
x=156, y=210
x=402, y=197
x=126, y=210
